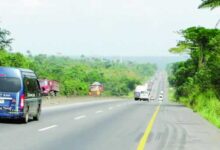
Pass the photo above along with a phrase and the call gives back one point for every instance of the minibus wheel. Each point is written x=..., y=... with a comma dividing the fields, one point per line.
x=26, y=117
x=37, y=116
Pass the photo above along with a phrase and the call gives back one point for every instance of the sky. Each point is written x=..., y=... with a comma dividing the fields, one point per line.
x=101, y=27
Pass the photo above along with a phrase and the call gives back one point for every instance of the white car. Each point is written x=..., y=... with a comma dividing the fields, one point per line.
x=152, y=98
x=160, y=98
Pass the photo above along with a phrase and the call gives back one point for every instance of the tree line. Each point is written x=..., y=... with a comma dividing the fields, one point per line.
x=75, y=75
x=197, y=80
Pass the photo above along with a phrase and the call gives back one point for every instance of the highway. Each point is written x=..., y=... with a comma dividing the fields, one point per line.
x=114, y=125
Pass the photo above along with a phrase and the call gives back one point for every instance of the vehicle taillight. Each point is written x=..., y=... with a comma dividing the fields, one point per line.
x=22, y=101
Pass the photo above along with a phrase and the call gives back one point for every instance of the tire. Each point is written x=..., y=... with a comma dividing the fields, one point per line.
x=52, y=93
x=135, y=99
x=37, y=116
x=25, y=119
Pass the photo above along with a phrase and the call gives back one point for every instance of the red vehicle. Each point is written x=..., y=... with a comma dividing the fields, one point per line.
x=49, y=87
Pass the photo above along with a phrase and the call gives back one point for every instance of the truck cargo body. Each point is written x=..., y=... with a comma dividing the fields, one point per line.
x=49, y=87
x=141, y=93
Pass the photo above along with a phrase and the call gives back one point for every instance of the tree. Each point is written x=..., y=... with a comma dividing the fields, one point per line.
x=210, y=4
x=4, y=40
x=197, y=43
x=201, y=71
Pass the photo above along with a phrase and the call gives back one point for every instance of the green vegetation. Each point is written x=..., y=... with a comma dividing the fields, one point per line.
x=210, y=4
x=171, y=94
x=197, y=80
x=75, y=75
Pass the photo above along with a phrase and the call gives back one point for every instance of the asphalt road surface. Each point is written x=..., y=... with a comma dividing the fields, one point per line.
x=114, y=125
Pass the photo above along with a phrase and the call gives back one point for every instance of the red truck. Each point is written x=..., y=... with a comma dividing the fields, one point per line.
x=49, y=87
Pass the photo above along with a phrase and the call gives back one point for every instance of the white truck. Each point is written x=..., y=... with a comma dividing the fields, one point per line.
x=141, y=93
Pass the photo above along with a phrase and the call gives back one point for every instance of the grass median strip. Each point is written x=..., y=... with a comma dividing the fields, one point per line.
x=147, y=132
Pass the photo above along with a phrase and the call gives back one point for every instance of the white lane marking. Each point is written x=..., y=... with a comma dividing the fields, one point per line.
x=80, y=117
x=110, y=108
x=118, y=105
x=99, y=111
x=47, y=128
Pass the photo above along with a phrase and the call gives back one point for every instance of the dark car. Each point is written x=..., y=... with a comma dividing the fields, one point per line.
x=20, y=96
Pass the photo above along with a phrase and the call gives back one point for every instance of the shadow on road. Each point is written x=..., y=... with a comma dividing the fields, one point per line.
x=12, y=121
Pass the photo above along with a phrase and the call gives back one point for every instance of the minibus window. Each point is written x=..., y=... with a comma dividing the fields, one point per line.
x=8, y=84
x=31, y=88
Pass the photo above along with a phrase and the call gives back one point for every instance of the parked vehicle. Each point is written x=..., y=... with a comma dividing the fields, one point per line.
x=49, y=87
x=96, y=89
x=20, y=96
x=141, y=93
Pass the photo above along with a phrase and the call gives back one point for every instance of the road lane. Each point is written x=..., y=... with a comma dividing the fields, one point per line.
x=147, y=132
x=118, y=129
x=179, y=128
x=113, y=125
x=104, y=129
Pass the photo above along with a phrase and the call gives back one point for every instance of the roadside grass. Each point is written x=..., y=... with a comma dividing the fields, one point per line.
x=208, y=105
x=131, y=94
x=171, y=94
x=205, y=104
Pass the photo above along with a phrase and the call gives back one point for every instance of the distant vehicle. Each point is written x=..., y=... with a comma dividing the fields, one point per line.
x=20, y=96
x=141, y=93
x=96, y=89
x=49, y=87
x=144, y=96
x=152, y=98
x=160, y=98
x=161, y=92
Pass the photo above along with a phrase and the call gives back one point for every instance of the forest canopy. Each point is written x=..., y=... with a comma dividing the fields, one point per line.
x=75, y=75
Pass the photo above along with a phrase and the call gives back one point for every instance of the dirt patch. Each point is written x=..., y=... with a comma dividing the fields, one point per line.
x=51, y=101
